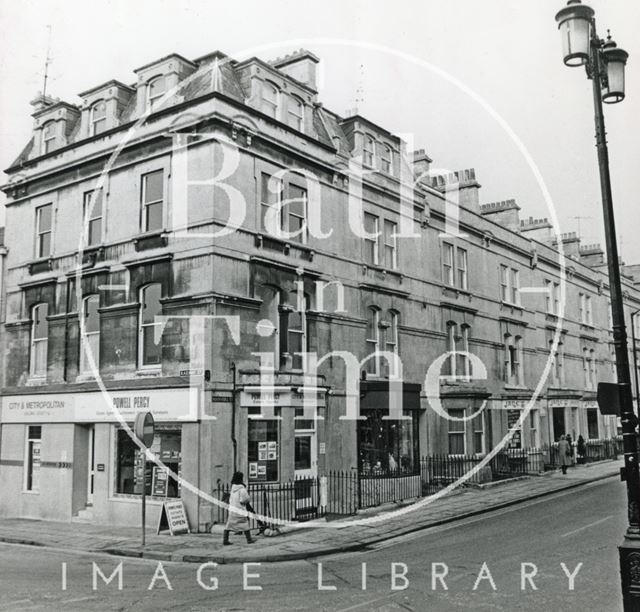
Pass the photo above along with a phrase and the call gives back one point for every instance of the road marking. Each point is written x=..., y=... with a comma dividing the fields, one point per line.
x=602, y=520
x=369, y=603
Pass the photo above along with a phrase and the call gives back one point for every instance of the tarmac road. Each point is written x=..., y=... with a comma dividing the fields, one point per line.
x=583, y=525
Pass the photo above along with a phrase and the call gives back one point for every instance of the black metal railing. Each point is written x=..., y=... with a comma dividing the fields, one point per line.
x=340, y=493
x=593, y=450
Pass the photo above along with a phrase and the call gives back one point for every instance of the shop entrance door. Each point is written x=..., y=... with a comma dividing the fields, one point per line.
x=306, y=469
x=91, y=465
x=559, y=427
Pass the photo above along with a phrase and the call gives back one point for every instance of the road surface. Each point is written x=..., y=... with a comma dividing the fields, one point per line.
x=583, y=526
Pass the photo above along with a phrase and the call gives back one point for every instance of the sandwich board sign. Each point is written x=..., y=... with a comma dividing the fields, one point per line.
x=173, y=517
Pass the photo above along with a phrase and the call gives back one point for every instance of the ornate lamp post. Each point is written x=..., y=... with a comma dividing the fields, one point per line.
x=604, y=63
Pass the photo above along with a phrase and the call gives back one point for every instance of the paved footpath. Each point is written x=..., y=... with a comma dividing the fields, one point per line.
x=305, y=542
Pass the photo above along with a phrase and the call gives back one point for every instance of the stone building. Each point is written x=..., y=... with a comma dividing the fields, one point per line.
x=189, y=235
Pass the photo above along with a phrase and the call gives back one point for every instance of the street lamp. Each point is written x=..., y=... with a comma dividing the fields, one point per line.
x=604, y=63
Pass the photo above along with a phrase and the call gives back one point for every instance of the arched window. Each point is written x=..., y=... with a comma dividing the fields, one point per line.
x=391, y=340
x=269, y=99
x=450, y=366
x=98, y=117
x=49, y=137
x=295, y=113
x=294, y=323
x=386, y=159
x=518, y=365
x=90, y=334
x=373, y=341
x=509, y=359
x=39, y=340
x=150, y=330
x=156, y=89
x=368, y=151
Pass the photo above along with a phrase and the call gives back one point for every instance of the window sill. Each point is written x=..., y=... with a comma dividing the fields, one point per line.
x=40, y=265
x=512, y=387
x=149, y=372
x=266, y=241
x=88, y=377
x=27, y=492
x=151, y=240
x=382, y=270
x=36, y=381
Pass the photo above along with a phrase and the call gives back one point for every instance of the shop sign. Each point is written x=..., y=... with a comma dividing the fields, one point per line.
x=558, y=403
x=513, y=404
x=516, y=436
x=590, y=404
x=164, y=405
x=281, y=397
x=173, y=517
x=160, y=480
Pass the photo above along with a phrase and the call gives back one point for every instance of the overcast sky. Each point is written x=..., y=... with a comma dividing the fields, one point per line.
x=373, y=55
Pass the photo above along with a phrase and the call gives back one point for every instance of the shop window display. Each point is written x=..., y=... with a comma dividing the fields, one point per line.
x=166, y=447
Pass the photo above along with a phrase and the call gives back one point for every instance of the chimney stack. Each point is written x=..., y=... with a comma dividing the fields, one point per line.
x=462, y=181
x=300, y=65
x=505, y=213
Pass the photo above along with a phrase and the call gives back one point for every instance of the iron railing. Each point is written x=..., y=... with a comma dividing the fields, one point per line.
x=339, y=493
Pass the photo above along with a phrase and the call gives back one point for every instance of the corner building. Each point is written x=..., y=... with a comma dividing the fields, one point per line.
x=120, y=259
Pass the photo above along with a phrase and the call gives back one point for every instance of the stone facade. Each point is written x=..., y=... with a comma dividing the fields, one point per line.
x=494, y=288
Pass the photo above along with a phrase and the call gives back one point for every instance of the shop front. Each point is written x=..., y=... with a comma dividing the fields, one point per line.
x=388, y=446
x=68, y=456
x=282, y=445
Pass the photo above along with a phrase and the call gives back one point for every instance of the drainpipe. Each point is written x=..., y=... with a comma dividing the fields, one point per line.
x=234, y=442
x=635, y=356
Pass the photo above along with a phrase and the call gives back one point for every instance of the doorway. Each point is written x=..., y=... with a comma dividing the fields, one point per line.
x=91, y=456
x=559, y=426
x=305, y=466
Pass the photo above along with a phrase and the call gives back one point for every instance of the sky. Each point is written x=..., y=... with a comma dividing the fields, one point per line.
x=467, y=80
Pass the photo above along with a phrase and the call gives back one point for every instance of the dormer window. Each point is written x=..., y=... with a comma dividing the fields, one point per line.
x=295, y=113
x=367, y=154
x=386, y=160
x=156, y=89
x=48, y=137
x=98, y=118
x=269, y=99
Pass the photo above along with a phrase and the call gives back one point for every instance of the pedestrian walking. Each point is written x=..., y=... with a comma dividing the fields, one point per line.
x=564, y=453
x=239, y=500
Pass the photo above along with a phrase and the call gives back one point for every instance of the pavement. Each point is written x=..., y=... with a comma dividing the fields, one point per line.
x=302, y=543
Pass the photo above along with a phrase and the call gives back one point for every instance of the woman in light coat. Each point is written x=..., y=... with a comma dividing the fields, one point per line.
x=238, y=500
x=564, y=453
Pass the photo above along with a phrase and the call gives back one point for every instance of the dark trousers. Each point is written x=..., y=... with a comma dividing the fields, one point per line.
x=226, y=532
